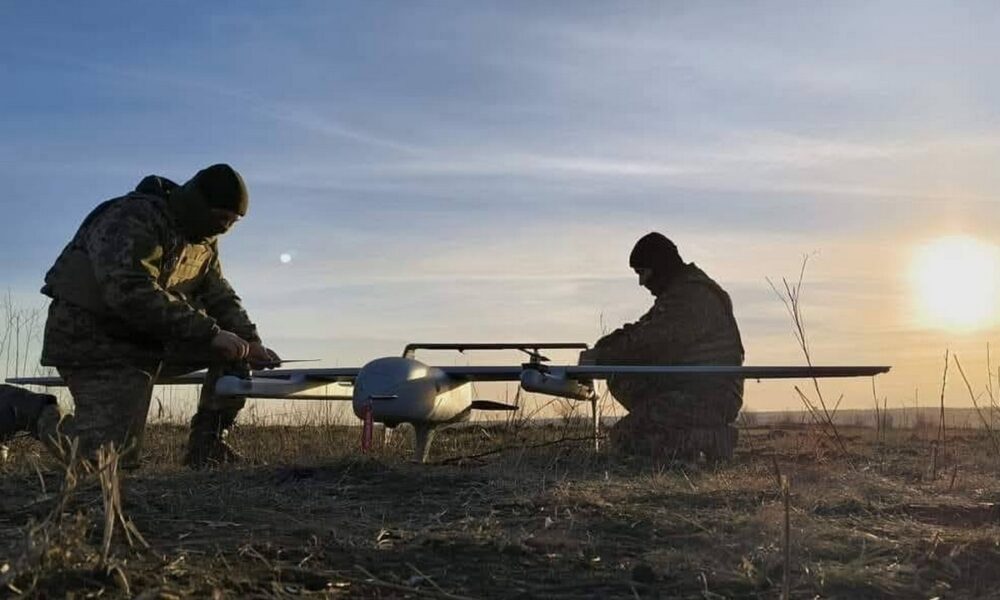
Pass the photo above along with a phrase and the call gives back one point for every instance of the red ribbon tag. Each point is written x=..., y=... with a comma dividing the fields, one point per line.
x=367, y=428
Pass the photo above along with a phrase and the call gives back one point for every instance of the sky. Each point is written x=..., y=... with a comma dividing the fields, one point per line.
x=459, y=171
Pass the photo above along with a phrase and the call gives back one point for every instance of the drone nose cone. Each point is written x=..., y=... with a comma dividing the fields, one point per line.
x=404, y=390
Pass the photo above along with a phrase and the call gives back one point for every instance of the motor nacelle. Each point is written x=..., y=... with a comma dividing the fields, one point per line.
x=554, y=384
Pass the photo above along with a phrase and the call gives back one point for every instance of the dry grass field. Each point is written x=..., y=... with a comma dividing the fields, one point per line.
x=536, y=515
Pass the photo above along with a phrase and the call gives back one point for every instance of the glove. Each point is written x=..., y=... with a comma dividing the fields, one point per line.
x=230, y=346
x=262, y=357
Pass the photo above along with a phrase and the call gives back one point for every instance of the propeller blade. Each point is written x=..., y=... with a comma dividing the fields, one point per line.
x=491, y=405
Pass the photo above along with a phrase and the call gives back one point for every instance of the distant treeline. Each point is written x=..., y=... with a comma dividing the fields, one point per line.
x=892, y=418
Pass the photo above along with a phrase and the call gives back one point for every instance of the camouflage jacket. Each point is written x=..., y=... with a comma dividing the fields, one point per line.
x=129, y=284
x=691, y=323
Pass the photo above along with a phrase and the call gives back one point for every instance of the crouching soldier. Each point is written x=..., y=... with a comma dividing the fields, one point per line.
x=137, y=294
x=691, y=323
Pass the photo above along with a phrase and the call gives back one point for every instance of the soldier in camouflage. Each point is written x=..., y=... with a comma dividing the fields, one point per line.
x=138, y=294
x=691, y=323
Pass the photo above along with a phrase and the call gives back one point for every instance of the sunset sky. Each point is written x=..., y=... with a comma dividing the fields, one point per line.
x=438, y=171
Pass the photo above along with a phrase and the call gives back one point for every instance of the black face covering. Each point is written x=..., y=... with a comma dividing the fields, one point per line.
x=194, y=216
x=654, y=251
x=216, y=187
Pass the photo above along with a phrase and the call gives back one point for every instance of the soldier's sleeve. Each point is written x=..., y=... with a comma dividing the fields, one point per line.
x=665, y=332
x=222, y=303
x=613, y=348
x=127, y=253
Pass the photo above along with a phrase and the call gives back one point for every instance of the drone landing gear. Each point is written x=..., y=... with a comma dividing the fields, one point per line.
x=423, y=435
x=595, y=414
x=383, y=435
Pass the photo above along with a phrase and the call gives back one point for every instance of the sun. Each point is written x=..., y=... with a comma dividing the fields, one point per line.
x=955, y=280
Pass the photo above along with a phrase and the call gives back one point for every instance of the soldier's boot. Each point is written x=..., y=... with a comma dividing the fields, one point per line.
x=674, y=443
x=711, y=444
x=718, y=443
x=207, y=445
x=28, y=412
x=641, y=437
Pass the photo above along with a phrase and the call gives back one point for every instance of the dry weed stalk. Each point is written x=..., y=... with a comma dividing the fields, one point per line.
x=107, y=472
x=975, y=403
x=477, y=456
x=994, y=407
x=60, y=539
x=944, y=382
x=819, y=411
x=745, y=423
x=55, y=538
x=954, y=474
x=878, y=416
x=886, y=419
x=937, y=449
x=989, y=386
x=786, y=577
x=21, y=330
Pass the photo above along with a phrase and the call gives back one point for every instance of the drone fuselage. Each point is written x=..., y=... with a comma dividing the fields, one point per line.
x=404, y=390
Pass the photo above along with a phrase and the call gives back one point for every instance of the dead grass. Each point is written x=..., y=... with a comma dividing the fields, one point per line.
x=309, y=515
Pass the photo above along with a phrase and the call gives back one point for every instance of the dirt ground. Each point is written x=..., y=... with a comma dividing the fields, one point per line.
x=538, y=515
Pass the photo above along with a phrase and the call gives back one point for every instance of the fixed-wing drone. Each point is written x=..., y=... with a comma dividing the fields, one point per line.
x=401, y=389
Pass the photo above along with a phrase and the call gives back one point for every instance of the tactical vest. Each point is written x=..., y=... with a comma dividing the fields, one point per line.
x=72, y=279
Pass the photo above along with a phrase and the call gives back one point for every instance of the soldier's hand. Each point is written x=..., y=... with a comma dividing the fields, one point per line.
x=230, y=346
x=262, y=357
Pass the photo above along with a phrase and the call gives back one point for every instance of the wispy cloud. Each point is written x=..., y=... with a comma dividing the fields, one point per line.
x=449, y=167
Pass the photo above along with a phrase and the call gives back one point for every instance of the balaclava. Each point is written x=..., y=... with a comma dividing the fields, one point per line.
x=217, y=186
x=654, y=251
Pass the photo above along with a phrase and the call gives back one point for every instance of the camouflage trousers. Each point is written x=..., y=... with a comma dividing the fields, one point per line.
x=112, y=405
x=678, y=425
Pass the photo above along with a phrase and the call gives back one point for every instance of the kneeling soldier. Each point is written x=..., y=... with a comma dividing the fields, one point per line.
x=139, y=293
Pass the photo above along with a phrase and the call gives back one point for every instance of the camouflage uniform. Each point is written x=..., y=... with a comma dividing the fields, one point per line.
x=127, y=291
x=690, y=323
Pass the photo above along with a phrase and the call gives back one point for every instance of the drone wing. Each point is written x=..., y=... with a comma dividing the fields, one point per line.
x=575, y=381
x=570, y=381
x=513, y=373
x=288, y=384
x=315, y=376
x=322, y=375
x=748, y=372
x=39, y=381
